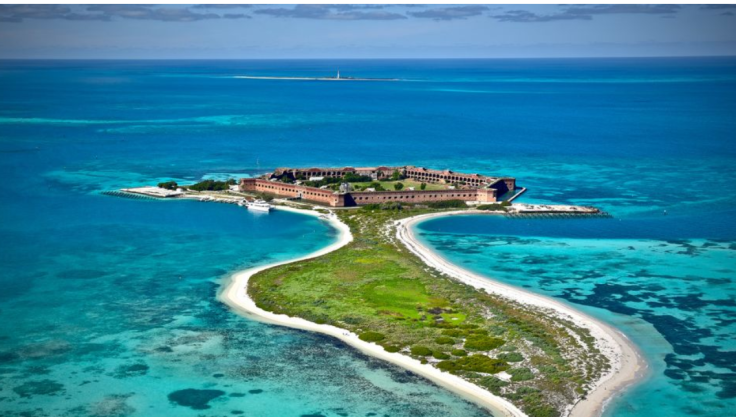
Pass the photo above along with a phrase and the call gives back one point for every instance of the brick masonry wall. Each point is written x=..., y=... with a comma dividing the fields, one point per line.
x=281, y=189
x=362, y=198
x=328, y=197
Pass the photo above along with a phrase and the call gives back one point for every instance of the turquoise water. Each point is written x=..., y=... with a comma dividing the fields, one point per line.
x=673, y=295
x=107, y=305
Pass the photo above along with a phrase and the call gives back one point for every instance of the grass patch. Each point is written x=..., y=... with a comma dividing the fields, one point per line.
x=421, y=351
x=481, y=342
x=511, y=357
x=374, y=287
x=371, y=336
x=444, y=340
x=474, y=363
x=521, y=374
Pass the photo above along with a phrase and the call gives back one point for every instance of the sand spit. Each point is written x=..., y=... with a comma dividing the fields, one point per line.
x=628, y=366
x=236, y=296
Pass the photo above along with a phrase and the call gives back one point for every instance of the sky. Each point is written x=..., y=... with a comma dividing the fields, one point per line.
x=364, y=31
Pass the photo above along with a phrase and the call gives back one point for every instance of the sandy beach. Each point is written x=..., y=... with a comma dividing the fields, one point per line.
x=236, y=296
x=627, y=364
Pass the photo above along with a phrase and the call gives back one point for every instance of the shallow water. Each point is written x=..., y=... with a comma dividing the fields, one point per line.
x=673, y=292
x=94, y=319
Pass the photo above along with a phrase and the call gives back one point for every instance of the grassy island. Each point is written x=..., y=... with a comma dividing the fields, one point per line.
x=377, y=289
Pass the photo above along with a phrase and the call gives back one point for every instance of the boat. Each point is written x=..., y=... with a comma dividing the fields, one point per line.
x=259, y=205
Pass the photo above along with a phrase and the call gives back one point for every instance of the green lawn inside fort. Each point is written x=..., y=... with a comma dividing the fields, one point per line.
x=407, y=183
x=377, y=289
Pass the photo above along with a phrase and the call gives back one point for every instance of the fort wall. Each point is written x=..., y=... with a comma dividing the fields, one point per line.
x=281, y=189
x=374, y=197
x=334, y=199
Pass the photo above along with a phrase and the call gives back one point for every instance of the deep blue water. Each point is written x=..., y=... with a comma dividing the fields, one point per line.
x=107, y=305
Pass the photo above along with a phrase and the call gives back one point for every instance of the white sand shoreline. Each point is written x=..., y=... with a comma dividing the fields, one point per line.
x=626, y=361
x=236, y=296
x=628, y=365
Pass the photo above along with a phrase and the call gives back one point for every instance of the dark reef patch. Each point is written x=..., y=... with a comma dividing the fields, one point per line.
x=128, y=371
x=196, y=399
x=42, y=387
x=255, y=391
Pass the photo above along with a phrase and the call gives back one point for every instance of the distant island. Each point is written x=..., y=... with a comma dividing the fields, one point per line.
x=337, y=77
x=380, y=290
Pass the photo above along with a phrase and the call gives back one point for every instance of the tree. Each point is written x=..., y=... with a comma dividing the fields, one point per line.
x=396, y=175
x=398, y=186
x=169, y=185
x=423, y=186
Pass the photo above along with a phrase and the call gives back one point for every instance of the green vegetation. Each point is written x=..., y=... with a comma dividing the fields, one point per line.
x=521, y=374
x=212, y=185
x=423, y=186
x=480, y=342
x=398, y=186
x=394, y=205
x=475, y=363
x=446, y=204
x=375, y=288
x=511, y=357
x=377, y=186
x=352, y=177
x=169, y=185
x=493, y=384
x=444, y=340
x=421, y=351
x=371, y=336
x=396, y=176
x=440, y=355
x=494, y=207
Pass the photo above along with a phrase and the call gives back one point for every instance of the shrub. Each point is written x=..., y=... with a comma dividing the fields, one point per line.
x=371, y=336
x=511, y=357
x=421, y=351
x=353, y=177
x=480, y=342
x=521, y=374
x=391, y=348
x=448, y=366
x=452, y=332
x=423, y=186
x=459, y=352
x=440, y=355
x=493, y=384
x=474, y=363
x=494, y=207
x=398, y=186
x=169, y=185
x=210, y=185
x=541, y=410
x=447, y=204
x=444, y=340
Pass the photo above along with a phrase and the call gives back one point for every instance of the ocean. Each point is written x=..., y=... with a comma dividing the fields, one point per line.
x=108, y=305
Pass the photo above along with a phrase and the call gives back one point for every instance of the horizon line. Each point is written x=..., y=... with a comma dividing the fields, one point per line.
x=368, y=59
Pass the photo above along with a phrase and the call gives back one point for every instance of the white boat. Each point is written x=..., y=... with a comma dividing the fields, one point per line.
x=259, y=205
